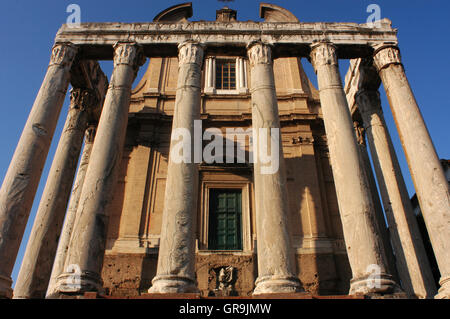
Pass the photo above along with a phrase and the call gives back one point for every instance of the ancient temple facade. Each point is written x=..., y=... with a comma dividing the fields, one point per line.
x=224, y=171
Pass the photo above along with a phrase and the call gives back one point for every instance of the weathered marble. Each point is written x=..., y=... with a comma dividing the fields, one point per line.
x=276, y=270
x=23, y=175
x=411, y=259
x=155, y=199
x=176, y=259
x=364, y=244
x=69, y=221
x=426, y=170
x=38, y=259
x=87, y=245
x=161, y=38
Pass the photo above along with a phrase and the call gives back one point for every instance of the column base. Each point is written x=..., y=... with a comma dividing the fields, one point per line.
x=78, y=284
x=6, y=291
x=367, y=285
x=277, y=284
x=172, y=284
x=444, y=291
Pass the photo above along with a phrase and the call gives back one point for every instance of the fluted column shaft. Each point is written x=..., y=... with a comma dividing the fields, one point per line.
x=23, y=175
x=87, y=245
x=37, y=263
x=364, y=246
x=276, y=270
x=176, y=259
x=66, y=233
x=426, y=170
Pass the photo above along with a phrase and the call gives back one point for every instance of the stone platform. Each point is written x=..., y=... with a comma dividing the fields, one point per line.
x=191, y=296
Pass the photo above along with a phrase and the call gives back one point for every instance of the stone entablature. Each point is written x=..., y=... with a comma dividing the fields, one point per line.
x=290, y=39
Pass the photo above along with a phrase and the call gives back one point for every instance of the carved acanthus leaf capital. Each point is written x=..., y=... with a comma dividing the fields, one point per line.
x=63, y=54
x=259, y=53
x=323, y=53
x=190, y=52
x=385, y=56
x=129, y=54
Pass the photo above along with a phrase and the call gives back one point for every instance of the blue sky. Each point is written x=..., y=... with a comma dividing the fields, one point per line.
x=28, y=28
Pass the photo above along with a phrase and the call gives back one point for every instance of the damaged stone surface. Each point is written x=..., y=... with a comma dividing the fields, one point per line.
x=176, y=267
x=412, y=263
x=22, y=178
x=353, y=193
x=88, y=239
x=139, y=222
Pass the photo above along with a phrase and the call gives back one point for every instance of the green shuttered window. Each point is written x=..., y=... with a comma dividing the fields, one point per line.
x=225, y=215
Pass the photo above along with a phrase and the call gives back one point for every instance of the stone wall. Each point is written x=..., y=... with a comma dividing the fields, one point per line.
x=136, y=212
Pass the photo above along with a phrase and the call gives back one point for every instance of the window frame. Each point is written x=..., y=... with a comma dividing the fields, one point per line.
x=227, y=65
x=210, y=86
x=247, y=240
x=237, y=215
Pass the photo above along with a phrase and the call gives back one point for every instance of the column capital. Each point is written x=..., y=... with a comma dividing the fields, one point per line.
x=323, y=53
x=259, y=53
x=386, y=55
x=128, y=53
x=63, y=54
x=190, y=52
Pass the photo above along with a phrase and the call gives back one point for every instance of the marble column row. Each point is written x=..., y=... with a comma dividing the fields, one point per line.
x=176, y=261
x=81, y=250
x=431, y=185
x=85, y=251
x=364, y=247
x=23, y=175
x=410, y=256
x=39, y=255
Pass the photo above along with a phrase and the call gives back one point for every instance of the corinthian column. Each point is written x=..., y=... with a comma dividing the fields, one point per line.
x=87, y=245
x=64, y=241
x=276, y=270
x=426, y=170
x=37, y=263
x=176, y=260
x=364, y=245
x=23, y=175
